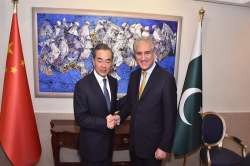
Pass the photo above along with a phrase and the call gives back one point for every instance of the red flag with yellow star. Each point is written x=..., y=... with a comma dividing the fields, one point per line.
x=18, y=131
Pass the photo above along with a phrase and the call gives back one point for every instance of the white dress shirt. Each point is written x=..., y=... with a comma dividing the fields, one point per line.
x=149, y=71
x=100, y=82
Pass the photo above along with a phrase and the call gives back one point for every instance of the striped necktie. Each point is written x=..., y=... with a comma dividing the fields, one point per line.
x=106, y=93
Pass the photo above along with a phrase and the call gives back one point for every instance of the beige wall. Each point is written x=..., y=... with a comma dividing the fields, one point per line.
x=225, y=46
x=226, y=38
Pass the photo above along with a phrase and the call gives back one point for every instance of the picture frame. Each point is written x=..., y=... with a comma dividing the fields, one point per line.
x=64, y=38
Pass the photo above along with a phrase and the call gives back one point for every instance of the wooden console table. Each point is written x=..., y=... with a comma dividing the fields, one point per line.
x=65, y=133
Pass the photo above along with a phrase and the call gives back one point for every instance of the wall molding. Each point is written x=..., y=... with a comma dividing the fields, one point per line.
x=244, y=3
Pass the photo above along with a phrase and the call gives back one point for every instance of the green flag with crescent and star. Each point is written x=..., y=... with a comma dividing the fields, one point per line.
x=188, y=124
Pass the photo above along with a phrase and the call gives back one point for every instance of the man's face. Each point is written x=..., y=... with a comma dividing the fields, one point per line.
x=103, y=62
x=144, y=55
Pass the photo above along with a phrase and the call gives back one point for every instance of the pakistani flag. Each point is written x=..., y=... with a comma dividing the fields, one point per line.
x=188, y=124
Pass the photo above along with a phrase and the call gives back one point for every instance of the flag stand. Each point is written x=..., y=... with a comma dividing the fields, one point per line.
x=184, y=160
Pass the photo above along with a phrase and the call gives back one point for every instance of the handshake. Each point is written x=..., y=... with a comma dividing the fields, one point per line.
x=113, y=120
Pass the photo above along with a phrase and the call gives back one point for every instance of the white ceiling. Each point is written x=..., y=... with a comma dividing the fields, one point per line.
x=245, y=3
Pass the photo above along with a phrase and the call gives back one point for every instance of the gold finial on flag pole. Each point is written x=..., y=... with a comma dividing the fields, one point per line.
x=201, y=13
x=15, y=5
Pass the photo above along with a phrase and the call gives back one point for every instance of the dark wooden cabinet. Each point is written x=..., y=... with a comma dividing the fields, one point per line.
x=65, y=133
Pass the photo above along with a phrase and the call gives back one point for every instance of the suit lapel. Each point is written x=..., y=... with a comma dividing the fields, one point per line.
x=97, y=90
x=136, y=81
x=151, y=81
x=112, y=91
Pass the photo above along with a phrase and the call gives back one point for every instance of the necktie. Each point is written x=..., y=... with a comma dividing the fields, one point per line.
x=143, y=83
x=106, y=93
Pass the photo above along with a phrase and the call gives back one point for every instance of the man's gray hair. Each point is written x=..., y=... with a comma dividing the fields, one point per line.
x=143, y=39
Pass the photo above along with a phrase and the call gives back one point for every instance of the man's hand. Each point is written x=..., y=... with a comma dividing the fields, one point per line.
x=161, y=155
x=117, y=119
x=110, y=121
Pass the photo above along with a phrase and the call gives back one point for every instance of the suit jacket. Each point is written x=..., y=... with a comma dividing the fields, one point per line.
x=153, y=116
x=90, y=110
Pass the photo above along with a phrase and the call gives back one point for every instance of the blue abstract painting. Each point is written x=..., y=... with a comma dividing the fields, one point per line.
x=65, y=41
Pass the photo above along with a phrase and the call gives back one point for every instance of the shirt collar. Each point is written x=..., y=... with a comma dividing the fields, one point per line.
x=150, y=70
x=98, y=77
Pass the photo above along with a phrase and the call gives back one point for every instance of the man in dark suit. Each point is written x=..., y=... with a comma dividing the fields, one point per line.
x=152, y=102
x=94, y=102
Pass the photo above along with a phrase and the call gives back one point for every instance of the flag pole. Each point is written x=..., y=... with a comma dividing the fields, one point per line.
x=15, y=5
x=201, y=14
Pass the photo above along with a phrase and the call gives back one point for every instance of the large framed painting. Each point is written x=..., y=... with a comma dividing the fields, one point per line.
x=64, y=38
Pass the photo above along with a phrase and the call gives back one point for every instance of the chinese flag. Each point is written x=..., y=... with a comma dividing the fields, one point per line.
x=18, y=131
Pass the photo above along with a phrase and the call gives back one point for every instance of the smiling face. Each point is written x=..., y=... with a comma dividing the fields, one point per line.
x=144, y=54
x=103, y=62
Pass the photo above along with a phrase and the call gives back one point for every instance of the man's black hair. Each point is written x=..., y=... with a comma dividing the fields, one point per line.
x=101, y=46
